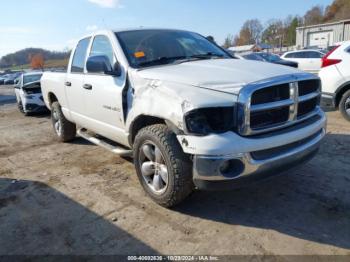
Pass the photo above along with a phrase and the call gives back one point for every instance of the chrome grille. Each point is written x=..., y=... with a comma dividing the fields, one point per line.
x=277, y=103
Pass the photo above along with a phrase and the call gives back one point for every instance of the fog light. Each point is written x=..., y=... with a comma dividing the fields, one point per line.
x=232, y=168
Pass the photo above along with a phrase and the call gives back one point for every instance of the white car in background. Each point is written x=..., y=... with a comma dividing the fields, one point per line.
x=28, y=93
x=335, y=76
x=309, y=60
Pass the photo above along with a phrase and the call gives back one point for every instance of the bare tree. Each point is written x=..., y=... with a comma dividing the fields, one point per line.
x=314, y=16
x=338, y=10
x=250, y=32
x=274, y=32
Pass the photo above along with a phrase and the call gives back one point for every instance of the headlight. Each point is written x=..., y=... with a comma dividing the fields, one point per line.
x=205, y=121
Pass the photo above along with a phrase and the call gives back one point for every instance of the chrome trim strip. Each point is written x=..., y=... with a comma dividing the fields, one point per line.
x=272, y=105
x=309, y=96
x=294, y=95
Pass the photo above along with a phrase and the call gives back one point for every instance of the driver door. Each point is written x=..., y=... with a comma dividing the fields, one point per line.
x=103, y=96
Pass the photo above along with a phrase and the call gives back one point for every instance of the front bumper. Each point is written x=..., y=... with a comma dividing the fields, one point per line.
x=328, y=101
x=251, y=158
x=34, y=104
x=34, y=108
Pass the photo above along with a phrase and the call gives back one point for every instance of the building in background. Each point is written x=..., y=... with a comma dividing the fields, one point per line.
x=323, y=35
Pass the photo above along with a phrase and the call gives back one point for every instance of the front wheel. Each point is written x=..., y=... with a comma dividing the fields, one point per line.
x=20, y=106
x=163, y=169
x=65, y=130
x=344, y=105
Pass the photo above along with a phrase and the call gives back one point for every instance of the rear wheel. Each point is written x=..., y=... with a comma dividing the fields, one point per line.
x=344, y=105
x=65, y=130
x=163, y=169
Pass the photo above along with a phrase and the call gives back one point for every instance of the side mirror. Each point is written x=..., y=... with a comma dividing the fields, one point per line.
x=101, y=65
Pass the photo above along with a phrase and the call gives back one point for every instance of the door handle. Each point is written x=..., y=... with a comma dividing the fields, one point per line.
x=68, y=83
x=87, y=86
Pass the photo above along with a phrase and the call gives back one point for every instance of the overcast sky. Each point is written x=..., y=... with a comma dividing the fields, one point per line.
x=56, y=25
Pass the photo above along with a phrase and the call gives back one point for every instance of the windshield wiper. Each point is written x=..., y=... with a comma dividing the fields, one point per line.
x=208, y=55
x=162, y=60
x=179, y=59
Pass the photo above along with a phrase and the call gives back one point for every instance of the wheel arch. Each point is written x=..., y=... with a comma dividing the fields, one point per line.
x=341, y=91
x=51, y=98
x=146, y=120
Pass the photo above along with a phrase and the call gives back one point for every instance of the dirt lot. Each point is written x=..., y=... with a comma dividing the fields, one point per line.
x=79, y=199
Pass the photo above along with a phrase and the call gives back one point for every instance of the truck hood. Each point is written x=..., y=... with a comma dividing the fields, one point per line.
x=225, y=75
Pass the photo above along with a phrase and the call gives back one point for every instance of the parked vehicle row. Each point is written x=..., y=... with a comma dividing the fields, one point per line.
x=189, y=113
x=307, y=60
x=9, y=79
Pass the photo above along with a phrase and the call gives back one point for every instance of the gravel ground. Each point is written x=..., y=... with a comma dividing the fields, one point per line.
x=77, y=198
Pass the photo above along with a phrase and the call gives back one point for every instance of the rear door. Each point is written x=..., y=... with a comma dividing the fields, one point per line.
x=303, y=59
x=290, y=57
x=104, y=99
x=75, y=80
x=314, y=61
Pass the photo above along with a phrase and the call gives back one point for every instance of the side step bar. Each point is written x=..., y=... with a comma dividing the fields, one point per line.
x=104, y=143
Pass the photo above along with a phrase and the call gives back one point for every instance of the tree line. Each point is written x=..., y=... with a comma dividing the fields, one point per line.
x=282, y=32
x=33, y=56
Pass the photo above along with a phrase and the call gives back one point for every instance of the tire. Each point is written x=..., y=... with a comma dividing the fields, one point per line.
x=20, y=106
x=179, y=167
x=64, y=129
x=344, y=105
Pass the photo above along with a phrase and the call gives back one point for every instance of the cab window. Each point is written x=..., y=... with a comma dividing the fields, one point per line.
x=102, y=46
x=80, y=56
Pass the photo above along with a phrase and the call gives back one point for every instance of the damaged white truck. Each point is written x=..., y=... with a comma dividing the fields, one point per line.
x=191, y=115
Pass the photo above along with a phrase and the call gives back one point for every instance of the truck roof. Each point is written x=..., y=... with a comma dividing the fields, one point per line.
x=113, y=31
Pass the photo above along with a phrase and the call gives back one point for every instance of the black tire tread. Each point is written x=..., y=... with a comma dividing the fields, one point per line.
x=69, y=129
x=181, y=164
x=342, y=105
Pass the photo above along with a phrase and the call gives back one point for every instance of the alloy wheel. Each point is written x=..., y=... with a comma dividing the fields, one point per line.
x=153, y=168
x=57, y=123
x=347, y=106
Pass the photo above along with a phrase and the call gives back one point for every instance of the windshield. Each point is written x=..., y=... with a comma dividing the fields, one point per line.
x=31, y=78
x=154, y=47
x=253, y=57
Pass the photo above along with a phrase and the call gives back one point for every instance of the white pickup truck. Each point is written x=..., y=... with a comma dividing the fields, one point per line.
x=191, y=115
